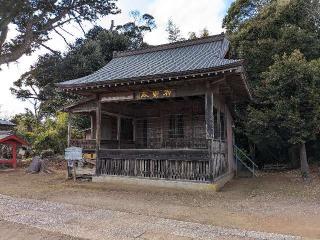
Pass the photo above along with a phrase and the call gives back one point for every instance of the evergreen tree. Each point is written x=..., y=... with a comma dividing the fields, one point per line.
x=84, y=57
x=289, y=105
x=174, y=33
x=34, y=20
x=259, y=31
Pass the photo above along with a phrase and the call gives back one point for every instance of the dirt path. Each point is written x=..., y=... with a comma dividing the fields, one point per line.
x=278, y=203
x=99, y=224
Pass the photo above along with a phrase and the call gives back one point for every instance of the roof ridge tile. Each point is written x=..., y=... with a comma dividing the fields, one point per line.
x=168, y=46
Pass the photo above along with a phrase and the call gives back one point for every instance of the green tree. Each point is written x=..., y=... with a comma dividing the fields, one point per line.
x=174, y=33
x=34, y=20
x=45, y=128
x=85, y=56
x=192, y=35
x=289, y=104
x=259, y=30
x=135, y=29
x=26, y=125
x=203, y=33
x=50, y=133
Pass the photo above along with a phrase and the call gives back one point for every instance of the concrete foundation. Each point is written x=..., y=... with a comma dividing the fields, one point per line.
x=188, y=185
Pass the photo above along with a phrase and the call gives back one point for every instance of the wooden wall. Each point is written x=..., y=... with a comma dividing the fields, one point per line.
x=153, y=128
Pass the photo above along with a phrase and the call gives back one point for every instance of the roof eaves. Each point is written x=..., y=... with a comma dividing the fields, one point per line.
x=72, y=105
x=151, y=77
x=11, y=136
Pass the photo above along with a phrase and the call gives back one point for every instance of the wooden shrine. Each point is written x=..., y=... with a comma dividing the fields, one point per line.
x=163, y=111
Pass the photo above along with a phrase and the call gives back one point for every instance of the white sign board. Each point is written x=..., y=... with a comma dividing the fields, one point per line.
x=115, y=97
x=73, y=154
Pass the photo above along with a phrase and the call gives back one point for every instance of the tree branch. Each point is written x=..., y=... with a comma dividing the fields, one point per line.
x=34, y=23
x=21, y=49
x=64, y=39
x=35, y=93
x=3, y=35
x=66, y=31
x=48, y=48
x=79, y=23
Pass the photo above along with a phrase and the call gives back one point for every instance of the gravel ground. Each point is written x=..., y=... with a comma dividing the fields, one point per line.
x=15, y=231
x=93, y=223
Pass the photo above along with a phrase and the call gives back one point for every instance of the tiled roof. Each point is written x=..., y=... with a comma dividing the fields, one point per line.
x=4, y=134
x=180, y=57
x=5, y=122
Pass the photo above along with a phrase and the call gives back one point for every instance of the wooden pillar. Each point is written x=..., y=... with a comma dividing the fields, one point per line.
x=69, y=173
x=14, y=155
x=230, y=140
x=209, y=114
x=92, y=135
x=98, y=131
x=119, y=131
x=69, y=130
x=210, y=128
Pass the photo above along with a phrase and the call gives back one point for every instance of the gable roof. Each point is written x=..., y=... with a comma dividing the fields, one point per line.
x=189, y=56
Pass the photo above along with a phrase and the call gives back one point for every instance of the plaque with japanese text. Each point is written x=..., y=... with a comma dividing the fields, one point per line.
x=157, y=93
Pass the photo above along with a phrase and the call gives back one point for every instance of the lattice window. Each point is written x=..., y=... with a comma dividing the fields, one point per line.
x=176, y=126
x=126, y=129
x=148, y=133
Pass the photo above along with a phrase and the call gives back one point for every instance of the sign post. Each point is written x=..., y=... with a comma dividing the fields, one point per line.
x=72, y=154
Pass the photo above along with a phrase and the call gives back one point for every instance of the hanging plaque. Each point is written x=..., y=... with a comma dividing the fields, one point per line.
x=155, y=93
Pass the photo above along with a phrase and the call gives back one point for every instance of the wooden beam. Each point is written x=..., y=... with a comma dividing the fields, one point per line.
x=190, y=81
x=87, y=110
x=115, y=114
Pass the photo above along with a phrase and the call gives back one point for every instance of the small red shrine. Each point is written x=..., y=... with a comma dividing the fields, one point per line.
x=8, y=138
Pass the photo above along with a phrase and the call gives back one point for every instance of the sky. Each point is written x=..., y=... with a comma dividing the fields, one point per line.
x=188, y=15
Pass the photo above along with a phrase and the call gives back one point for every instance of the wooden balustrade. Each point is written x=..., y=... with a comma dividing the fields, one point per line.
x=174, y=164
x=166, y=169
x=166, y=164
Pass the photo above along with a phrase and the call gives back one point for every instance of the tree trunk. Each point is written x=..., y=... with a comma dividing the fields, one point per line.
x=304, y=162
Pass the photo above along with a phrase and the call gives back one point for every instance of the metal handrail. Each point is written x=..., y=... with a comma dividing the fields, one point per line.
x=238, y=150
x=244, y=164
x=245, y=155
